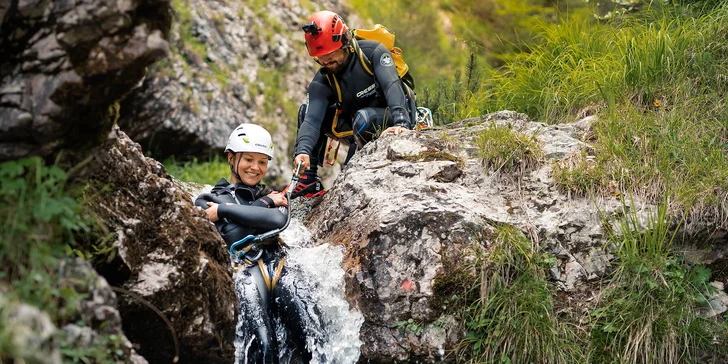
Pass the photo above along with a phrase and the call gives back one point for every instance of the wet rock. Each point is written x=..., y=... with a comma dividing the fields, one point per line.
x=166, y=253
x=408, y=209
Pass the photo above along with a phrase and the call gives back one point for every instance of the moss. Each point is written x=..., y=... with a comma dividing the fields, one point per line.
x=452, y=290
x=433, y=154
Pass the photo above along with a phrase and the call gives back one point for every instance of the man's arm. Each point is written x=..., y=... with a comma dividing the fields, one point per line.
x=388, y=80
x=318, y=100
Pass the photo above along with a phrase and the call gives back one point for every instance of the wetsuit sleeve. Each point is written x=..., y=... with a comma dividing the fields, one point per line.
x=319, y=94
x=203, y=199
x=253, y=216
x=264, y=201
x=389, y=82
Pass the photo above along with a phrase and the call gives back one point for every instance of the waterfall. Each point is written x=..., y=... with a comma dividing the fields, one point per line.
x=316, y=274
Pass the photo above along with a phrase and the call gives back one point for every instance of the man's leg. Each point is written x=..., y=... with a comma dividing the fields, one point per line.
x=369, y=122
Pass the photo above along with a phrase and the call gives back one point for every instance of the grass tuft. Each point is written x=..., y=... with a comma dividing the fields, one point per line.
x=514, y=320
x=651, y=311
x=503, y=148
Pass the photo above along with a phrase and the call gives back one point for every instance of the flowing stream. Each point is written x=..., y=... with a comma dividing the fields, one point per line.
x=316, y=273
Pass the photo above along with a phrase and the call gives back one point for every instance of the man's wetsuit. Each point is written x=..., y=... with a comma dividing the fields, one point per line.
x=368, y=103
x=243, y=211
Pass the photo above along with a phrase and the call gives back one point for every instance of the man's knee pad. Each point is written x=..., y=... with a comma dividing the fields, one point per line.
x=364, y=123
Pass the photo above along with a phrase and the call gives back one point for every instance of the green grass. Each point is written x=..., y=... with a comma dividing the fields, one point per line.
x=39, y=218
x=658, y=83
x=650, y=312
x=505, y=149
x=207, y=172
x=514, y=320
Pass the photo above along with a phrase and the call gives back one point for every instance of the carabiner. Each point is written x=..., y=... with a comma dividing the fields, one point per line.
x=234, y=245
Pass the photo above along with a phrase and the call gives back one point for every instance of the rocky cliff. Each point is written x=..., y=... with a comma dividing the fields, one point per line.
x=231, y=62
x=65, y=67
x=65, y=63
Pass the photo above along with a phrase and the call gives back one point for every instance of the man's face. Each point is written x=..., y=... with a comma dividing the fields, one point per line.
x=334, y=61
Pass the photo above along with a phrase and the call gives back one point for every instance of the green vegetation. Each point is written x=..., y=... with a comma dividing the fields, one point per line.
x=514, y=320
x=660, y=87
x=656, y=79
x=503, y=148
x=436, y=34
x=208, y=172
x=650, y=313
x=39, y=220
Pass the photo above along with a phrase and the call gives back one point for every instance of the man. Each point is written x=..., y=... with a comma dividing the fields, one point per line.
x=355, y=94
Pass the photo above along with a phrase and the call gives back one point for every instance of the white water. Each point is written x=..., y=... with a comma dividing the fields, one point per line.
x=316, y=274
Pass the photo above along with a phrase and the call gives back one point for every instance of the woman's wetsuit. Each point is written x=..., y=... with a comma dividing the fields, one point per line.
x=243, y=211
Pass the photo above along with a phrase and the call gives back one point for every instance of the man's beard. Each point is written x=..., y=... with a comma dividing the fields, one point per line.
x=333, y=67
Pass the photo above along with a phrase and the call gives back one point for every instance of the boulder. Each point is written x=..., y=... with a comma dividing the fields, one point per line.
x=411, y=210
x=165, y=255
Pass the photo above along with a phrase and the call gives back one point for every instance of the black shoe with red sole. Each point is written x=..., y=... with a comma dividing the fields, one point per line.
x=310, y=190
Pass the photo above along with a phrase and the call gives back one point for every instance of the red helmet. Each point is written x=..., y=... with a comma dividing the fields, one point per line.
x=325, y=33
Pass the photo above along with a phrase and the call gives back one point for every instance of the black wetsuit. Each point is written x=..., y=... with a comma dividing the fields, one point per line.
x=368, y=102
x=243, y=211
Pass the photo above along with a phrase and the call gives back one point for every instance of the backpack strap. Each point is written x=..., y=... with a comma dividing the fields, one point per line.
x=366, y=64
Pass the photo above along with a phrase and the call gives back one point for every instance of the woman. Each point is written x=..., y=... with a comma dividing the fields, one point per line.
x=245, y=207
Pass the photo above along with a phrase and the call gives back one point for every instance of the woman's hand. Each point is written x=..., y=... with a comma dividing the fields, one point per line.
x=279, y=198
x=212, y=212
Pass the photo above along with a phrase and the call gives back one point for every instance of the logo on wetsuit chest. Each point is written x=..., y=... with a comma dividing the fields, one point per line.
x=367, y=91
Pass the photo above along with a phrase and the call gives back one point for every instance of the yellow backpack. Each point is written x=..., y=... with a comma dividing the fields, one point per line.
x=385, y=36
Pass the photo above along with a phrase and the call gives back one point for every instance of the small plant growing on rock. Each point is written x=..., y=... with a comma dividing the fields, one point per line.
x=408, y=326
x=503, y=148
x=577, y=175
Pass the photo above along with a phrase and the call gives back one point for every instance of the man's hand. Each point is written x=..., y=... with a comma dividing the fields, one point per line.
x=396, y=130
x=305, y=161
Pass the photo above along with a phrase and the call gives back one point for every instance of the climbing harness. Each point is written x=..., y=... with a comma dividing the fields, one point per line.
x=251, y=251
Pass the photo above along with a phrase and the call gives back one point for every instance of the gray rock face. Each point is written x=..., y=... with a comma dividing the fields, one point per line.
x=35, y=338
x=167, y=254
x=98, y=311
x=408, y=209
x=33, y=331
x=65, y=63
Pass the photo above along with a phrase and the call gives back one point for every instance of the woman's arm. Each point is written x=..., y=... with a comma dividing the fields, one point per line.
x=253, y=216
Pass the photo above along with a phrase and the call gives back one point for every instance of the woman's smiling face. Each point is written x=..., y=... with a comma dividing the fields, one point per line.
x=251, y=167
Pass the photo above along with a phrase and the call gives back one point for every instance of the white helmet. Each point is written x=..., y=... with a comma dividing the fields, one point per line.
x=250, y=138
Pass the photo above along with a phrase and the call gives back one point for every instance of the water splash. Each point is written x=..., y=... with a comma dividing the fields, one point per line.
x=316, y=275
